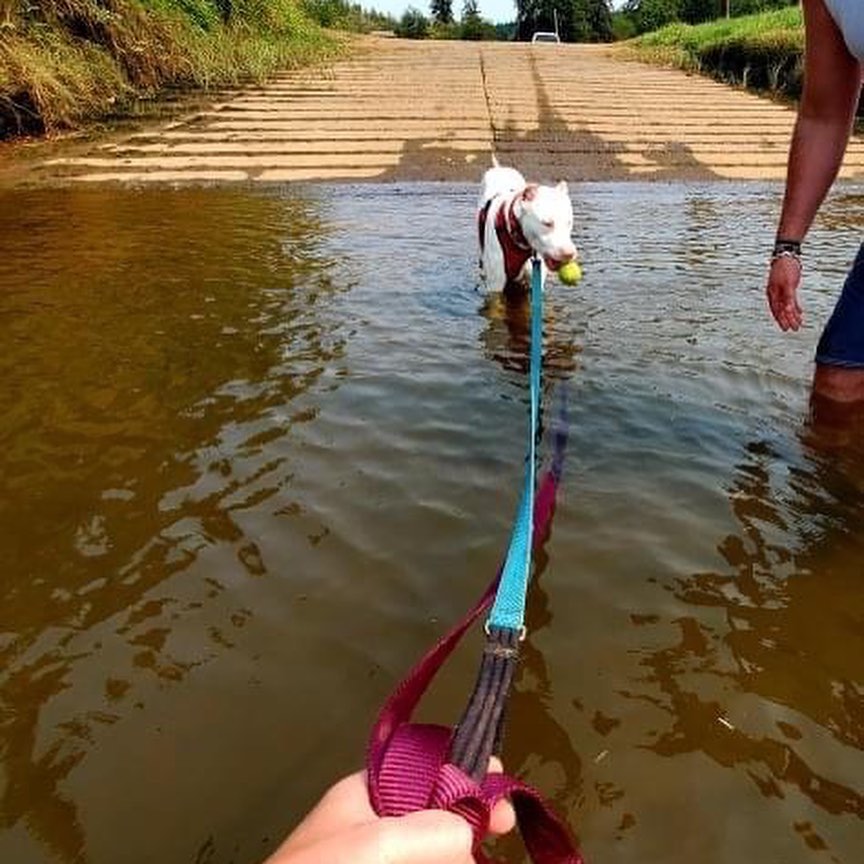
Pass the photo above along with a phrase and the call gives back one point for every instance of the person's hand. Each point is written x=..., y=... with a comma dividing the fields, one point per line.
x=343, y=829
x=784, y=277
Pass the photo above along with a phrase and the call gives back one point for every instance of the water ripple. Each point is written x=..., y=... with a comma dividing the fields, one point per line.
x=260, y=447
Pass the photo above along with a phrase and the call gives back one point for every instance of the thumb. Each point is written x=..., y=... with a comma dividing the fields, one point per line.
x=425, y=837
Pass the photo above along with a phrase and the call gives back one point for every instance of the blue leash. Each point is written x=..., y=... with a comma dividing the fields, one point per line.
x=508, y=610
x=413, y=766
x=479, y=731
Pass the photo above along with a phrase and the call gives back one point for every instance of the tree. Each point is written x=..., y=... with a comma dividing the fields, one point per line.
x=642, y=16
x=470, y=10
x=442, y=11
x=578, y=20
x=696, y=11
x=413, y=24
x=592, y=20
x=472, y=23
x=505, y=32
x=653, y=14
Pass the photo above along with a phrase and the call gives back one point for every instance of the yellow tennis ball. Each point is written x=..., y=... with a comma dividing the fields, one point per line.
x=570, y=273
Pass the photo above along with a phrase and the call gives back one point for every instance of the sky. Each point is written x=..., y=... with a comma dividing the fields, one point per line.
x=499, y=11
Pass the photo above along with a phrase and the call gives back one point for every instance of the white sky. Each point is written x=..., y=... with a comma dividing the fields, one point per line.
x=493, y=10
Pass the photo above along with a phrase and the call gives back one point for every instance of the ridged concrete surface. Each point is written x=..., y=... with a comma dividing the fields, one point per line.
x=403, y=110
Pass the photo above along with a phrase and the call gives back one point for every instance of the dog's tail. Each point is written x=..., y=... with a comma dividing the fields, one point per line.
x=495, y=163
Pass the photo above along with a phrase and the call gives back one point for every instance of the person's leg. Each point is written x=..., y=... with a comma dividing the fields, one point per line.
x=838, y=383
x=839, y=374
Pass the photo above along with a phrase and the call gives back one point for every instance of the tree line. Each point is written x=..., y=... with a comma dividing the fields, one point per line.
x=442, y=23
x=573, y=20
x=643, y=16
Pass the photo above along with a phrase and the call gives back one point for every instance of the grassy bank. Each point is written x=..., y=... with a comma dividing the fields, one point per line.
x=64, y=62
x=763, y=52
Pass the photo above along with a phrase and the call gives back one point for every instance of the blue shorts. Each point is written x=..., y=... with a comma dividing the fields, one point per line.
x=842, y=342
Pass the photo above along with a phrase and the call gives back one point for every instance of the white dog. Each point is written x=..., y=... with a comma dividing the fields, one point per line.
x=517, y=220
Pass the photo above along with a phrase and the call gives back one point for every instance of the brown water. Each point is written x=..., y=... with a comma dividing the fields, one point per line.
x=260, y=447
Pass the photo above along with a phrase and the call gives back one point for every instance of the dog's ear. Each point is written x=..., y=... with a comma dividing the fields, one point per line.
x=529, y=193
x=562, y=187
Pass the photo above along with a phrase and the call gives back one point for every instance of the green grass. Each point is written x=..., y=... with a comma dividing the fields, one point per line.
x=65, y=62
x=763, y=52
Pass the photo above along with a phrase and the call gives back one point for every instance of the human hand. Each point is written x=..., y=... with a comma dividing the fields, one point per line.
x=784, y=277
x=344, y=829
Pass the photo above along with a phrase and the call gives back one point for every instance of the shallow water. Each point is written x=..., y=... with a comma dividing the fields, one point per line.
x=260, y=447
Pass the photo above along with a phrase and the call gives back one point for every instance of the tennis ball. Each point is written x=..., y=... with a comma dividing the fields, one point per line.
x=570, y=273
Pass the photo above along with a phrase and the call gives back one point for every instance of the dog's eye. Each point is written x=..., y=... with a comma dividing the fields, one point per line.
x=548, y=223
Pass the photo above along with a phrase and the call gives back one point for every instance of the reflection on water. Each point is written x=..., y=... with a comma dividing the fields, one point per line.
x=789, y=648
x=507, y=337
x=157, y=347
x=260, y=447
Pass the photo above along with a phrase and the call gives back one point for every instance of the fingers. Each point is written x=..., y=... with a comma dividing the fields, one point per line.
x=343, y=827
x=782, y=288
x=786, y=310
x=424, y=837
x=503, y=817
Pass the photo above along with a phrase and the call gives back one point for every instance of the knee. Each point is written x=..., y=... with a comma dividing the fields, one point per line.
x=838, y=384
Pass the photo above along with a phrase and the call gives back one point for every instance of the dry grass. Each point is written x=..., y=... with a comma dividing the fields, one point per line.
x=64, y=62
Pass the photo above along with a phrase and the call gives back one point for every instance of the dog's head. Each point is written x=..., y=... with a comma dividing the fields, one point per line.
x=546, y=218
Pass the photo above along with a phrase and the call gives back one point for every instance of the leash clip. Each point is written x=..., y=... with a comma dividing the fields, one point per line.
x=523, y=631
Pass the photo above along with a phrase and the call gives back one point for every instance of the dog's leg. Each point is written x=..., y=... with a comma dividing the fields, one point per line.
x=491, y=255
x=526, y=274
x=493, y=269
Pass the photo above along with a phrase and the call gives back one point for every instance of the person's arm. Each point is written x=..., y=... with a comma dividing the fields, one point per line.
x=832, y=84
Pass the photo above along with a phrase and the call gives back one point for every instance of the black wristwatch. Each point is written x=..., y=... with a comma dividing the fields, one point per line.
x=785, y=248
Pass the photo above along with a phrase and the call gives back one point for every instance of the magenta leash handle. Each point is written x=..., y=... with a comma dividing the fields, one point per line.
x=409, y=766
x=478, y=734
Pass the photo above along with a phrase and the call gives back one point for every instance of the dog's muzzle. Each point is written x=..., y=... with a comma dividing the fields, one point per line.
x=559, y=260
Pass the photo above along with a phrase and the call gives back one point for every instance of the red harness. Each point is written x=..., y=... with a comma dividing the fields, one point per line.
x=515, y=247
